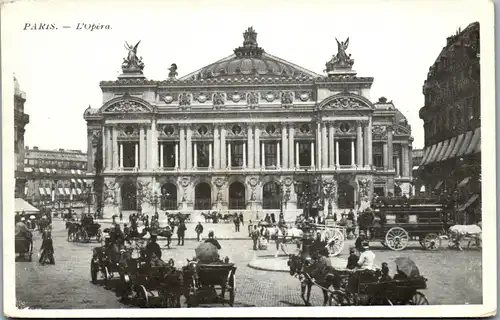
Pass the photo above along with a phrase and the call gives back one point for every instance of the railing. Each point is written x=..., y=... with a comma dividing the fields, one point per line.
x=272, y=203
x=202, y=204
x=237, y=204
x=169, y=204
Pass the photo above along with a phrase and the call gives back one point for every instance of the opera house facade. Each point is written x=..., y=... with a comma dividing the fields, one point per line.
x=237, y=135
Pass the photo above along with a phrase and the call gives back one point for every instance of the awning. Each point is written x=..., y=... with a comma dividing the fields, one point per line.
x=463, y=182
x=21, y=205
x=431, y=153
x=66, y=190
x=473, y=143
x=451, y=145
x=73, y=180
x=454, y=152
x=73, y=171
x=81, y=181
x=471, y=200
x=54, y=171
x=443, y=150
x=42, y=191
x=48, y=191
x=78, y=191
x=25, y=191
x=436, y=153
x=438, y=185
x=28, y=169
x=79, y=172
x=415, y=168
x=61, y=191
x=465, y=144
x=426, y=155
x=73, y=191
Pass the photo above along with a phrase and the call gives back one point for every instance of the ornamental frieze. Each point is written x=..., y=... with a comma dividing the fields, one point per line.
x=202, y=97
x=401, y=130
x=236, y=131
x=127, y=106
x=286, y=98
x=271, y=130
x=304, y=129
x=185, y=99
x=96, y=137
x=219, y=99
x=203, y=131
x=128, y=131
x=169, y=98
x=364, y=188
x=345, y=103
x=167, y=130
x=269, y=96
x=379, y=133
x=252, y=99
x=235, y=96
x=303, y=96
x=344, y=128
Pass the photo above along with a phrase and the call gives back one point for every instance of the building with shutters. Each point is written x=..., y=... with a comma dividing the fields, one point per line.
x=451, y=163
x=236, y=135
x=55, y=177
x=21, y=119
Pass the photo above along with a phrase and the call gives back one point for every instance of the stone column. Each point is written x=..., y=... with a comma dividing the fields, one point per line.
x=370, y=143
x=142, y=149
x=331, y=146
x=182, y=147
x=149, y=149
x=189, y=148
x=263, y=154
x=284, y=145
x=366, y=145
x=257, y=147
x=359, y=142
x=385, y=152
x=291, y=138
x=353, y=158
x=90, y=154
x=250, y=147
x=154, y=150
x=121, y=155
x=324, y=147
x=229, y=162
x=115, y=152
x=409, y=162
x=104, y=145
x=244, y=155
x=176, y=156
x=337, y=162
x=317, y=164
x=216, y=148
x=223, y=162
x=297, y=162
x=312, y=155
x=210, y=155
x=398, y=173
x=195, y=155
x=278, y=154
x=390, y=161
x=162, y=155
x=136, y=153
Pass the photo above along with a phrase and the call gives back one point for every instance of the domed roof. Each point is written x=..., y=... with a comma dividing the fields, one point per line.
x=250, y=60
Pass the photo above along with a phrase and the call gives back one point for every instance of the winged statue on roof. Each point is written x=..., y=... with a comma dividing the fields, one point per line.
x=132, y=61
x=341, y=59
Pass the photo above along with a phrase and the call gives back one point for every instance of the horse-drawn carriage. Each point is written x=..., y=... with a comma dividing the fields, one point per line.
x=78, y=232
x=23, y=248
x=177, y=217
x=202, y=281
x=395, y=222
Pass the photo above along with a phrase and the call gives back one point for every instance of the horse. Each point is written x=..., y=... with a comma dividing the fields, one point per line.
x=72, y=228
x=307, y=273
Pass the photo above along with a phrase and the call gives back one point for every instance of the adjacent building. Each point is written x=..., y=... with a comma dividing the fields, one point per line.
x=237, y=134
x=21, y=119
x=451, y=163
x=418, y=184
x=55, y=177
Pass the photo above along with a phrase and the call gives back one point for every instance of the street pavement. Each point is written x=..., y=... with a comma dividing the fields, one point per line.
x=454, y=277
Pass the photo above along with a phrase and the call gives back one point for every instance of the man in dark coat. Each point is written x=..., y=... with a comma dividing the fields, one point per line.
x=352, y=261
x=237, y=223
x=181, y=229
x=241, y=218
x=153, y=248
x=199, y=230
x=211, y=239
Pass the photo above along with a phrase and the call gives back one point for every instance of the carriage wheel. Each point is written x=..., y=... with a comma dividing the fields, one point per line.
x=232, y=283
x=338, y=299
x=335, y=242
x=71, y=237
x=397, y=238
x=84, y=236
x=142, y=294
x=431, y=241
x=418, y=299
x=106, y=274
x=93, y=272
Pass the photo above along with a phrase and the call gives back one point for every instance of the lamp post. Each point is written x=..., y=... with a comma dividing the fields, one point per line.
x=155, y=202
x=89, y=198
x=284, y=197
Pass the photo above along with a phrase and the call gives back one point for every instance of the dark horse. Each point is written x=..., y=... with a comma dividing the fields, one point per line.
x=308, y=274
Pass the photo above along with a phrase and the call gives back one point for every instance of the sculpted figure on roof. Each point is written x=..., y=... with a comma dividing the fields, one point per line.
x=132, y=62
x=341, y=59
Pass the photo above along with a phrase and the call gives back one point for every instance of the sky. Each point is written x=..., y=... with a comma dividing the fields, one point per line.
x=393, y=41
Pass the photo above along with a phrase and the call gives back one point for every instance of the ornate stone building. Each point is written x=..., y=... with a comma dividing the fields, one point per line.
x=21, y=119
x=237, y=134
x=451, y=163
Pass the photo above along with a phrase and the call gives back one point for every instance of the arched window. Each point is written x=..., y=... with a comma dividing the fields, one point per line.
x=237, y=196
x=203, y=197
x=129, y=196
x=168, y=197
x=300, y=189
x=270, y=196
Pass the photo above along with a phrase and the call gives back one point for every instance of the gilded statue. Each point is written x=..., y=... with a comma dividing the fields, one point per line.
x=132, y=61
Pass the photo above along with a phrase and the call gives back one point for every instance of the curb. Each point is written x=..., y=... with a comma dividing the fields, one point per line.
x=264, y=269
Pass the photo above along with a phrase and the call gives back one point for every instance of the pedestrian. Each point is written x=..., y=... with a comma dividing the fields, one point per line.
x=352, y=260
x=359, y=241
x=114, y=218
x=255, y=237
x=250, y=228
x=367, y=257
x=241, y=219
x=121, y=216
x=199, y=230
x=237, y=223
x=181, y=229
x=273, y=218
x=168, y=232
x=47, y=249
x=267, y=218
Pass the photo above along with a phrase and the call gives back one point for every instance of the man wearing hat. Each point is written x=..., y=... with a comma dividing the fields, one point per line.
x=367, y=257
x=153, y=248
x=211, y=239
x=359, y=240
x=352, y=260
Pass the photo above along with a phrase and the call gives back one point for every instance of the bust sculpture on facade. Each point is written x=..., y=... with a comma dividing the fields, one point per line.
x=172, y=71
x=341, y=60
x=132, y=62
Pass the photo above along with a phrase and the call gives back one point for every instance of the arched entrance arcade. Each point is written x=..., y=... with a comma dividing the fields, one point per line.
x=203, y=196
x=168, y=197
x=237, y=196
x=129, y=196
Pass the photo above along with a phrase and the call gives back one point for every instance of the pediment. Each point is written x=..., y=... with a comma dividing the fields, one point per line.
x=346, y=101
x=127, y=104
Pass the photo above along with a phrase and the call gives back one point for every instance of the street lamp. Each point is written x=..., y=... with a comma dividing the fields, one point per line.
x=155, y=202
x=284, y=197
x=89, y=198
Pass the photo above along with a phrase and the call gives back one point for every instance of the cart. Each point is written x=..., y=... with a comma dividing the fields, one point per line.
x=395, y=224
x=89, y=231
x=208, y=283
x=24, y=248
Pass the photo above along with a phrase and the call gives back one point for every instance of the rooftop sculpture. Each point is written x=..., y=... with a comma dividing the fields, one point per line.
x=132, y=63
x=341, y=60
